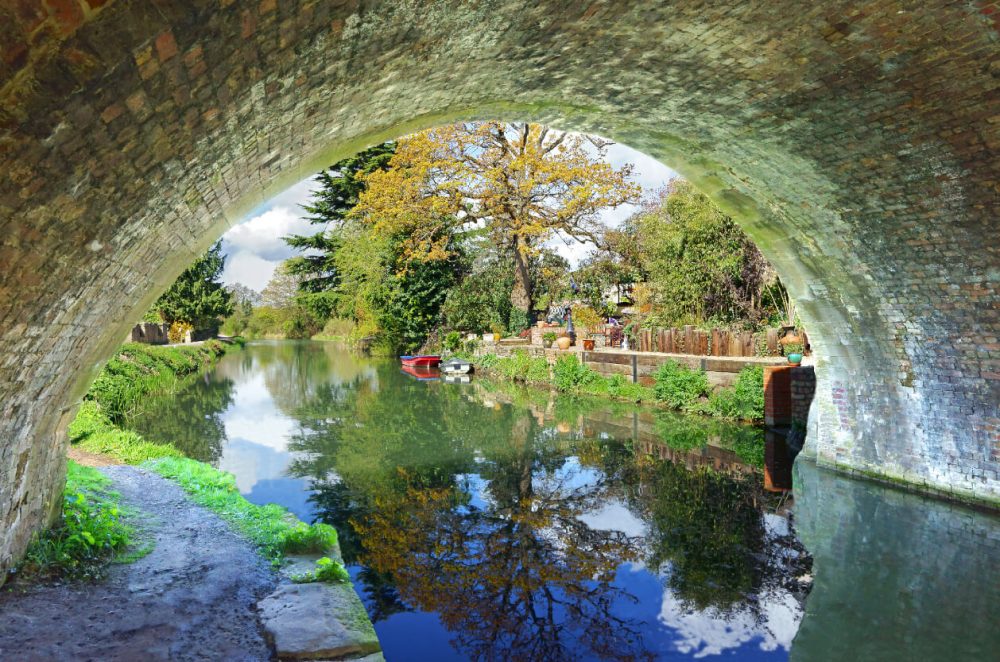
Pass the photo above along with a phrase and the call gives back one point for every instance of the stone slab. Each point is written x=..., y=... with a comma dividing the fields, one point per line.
x=317, y=621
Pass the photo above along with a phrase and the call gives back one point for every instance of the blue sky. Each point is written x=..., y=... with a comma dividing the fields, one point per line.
x=254, y=247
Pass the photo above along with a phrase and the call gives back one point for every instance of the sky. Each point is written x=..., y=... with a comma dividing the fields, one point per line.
x=254, y=246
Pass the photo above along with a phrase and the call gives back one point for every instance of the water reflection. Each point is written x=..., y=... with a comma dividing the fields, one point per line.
x=484, y=521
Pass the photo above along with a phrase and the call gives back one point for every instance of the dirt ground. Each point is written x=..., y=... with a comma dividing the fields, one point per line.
x=192, y=598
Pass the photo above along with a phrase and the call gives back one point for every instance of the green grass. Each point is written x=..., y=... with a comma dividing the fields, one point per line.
x=139, y=370
x=273, y=529
x=327, y=570
x=94, y=432
x=91, y=532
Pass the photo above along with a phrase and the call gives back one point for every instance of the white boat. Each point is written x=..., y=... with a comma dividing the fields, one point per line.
x=462, y=378
x=455, y=367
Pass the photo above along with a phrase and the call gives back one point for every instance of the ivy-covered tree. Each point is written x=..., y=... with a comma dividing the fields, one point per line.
x=700, y=264
x=198, y=296
x=339, y=188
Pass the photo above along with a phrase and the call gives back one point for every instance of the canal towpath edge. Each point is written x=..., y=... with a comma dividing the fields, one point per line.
x=194, y=596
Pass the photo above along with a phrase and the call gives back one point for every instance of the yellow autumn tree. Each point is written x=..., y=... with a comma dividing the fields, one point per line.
x=520, y=184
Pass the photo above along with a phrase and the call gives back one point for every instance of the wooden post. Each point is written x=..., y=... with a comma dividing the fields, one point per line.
x=688, y=338
x=772, y=342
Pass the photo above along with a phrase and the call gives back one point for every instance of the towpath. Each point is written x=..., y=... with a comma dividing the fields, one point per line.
x=192, y=598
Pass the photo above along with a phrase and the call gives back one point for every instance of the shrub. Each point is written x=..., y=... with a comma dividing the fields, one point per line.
x=178, y=331
x=570, y=374
x=549, y=336
x=678, y=386
x=521, y=366
x=744, y=400
x=452, y=341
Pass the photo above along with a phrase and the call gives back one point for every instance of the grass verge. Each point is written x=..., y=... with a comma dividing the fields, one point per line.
x=271, y=528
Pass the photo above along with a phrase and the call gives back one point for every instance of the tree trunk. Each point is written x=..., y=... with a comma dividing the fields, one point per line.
x=520, y=296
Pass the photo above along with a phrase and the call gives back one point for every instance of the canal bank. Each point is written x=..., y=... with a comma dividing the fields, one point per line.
x=311, y=611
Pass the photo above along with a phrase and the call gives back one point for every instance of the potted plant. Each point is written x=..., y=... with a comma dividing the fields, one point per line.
x=564, y=341
x=548, y=338
x=588, y=344
x=793, y=351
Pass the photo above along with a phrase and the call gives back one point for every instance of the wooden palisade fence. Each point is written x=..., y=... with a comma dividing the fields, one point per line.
x=714, y=342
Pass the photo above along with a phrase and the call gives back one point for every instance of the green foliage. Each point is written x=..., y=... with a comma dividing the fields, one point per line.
x=94, y=432
x=700, y=264
x=273, y=529
x=327, y=570
x=519, y=366
x=792, y=348
x=91, y=531
x=481, y=300
x=549, y=336
x=569, y=374
x=138, y=370
x=339, y=187
x=198, y=296
x=452, y=341
x=744, y=400
x=679, y=386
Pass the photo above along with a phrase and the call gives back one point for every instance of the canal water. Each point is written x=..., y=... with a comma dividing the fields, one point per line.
x=486, y=521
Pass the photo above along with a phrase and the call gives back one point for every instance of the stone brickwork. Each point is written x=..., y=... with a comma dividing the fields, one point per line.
x=855, y=141
x=149, y=333
x=788, y=394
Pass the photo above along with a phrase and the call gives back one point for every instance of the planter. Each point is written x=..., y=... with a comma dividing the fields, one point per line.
x=794, y=359
x=588, y=345
x=540, y=324
x=547, y=344
x=564, y=342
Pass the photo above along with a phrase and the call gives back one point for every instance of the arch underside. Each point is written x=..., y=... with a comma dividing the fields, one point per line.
x=855, y=143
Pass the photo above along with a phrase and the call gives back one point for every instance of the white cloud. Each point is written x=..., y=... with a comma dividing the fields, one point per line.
x=249, y=269
x=263, y=235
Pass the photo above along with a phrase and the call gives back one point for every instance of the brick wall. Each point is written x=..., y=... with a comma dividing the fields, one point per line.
x=788, y=394
x=856, y=142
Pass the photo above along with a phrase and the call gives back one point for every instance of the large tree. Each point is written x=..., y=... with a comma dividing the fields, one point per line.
x=522, y=184
x=700, y=264
x=198, y=296
x=337, y=194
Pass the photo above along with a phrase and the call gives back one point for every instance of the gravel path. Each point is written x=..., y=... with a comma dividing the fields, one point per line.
x=191, y=598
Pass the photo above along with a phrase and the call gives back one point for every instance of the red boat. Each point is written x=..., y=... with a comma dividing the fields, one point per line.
x=424, y=361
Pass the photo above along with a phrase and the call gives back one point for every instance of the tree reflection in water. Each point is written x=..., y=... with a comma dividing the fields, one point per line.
x=453, y=503
x=190, y=419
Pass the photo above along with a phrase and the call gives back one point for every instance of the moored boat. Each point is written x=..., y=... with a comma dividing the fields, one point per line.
x=423, y=360
x=456, y=367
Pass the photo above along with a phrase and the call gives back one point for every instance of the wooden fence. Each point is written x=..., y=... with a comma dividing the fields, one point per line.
x=716, y=342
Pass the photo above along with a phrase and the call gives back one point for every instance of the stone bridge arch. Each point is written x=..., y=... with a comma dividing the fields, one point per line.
x=855, y=141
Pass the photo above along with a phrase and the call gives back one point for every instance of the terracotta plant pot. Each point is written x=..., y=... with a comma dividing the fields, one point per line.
x=588, y=345
x=564, y=342
x=794, y=359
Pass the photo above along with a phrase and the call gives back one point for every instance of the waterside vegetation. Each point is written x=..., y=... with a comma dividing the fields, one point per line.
x=101, y=426
x=91, y=531
x=674, y=386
